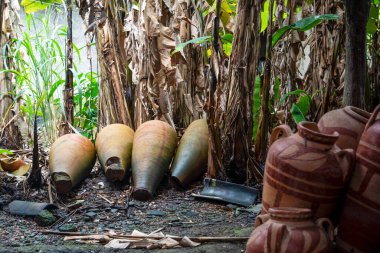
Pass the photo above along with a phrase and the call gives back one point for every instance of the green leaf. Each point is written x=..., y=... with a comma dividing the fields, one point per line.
x=302, y=25
x=264, y=16
x=304, y=103
x=228, y=37
x=297, y=114
x=198, y=40
x=5, y=152
x=295, y=92
x=227, y=48
x=37, y=5
x=256, y=105
x=276, y=89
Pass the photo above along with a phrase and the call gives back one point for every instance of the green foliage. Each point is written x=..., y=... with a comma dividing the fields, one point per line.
x=198, y=40
x=5, y=152
x=301, y=107
x=256, y=105
x=373, y=20
x=31, y=6
x=302, y=25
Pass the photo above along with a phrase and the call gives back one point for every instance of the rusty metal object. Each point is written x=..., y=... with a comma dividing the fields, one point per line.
x=114, y=148
x=190, y=160
x=71, y=159
x=153, y=148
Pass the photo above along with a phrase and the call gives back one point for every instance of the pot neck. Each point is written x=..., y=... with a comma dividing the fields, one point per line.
x=309, y=131
x=290, y=214
x=357, y=114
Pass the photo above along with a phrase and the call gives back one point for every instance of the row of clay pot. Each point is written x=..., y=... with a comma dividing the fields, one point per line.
x=306, y=178
x=149, y=151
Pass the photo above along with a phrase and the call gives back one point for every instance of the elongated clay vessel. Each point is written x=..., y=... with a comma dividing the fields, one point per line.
x=291, y=230
x=349, y=122
x=306, y=170
x=71, y=159
x=153, y=149
x=190, y=160
x=114, y=148
x=359, y=226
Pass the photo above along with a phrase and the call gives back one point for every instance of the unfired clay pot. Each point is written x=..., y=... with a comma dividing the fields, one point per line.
x=306, y=170
x=359, y=227
x=71, y=159
x=190, y=160
x=349, y=122
x=290, y=230
x=114, y=148
x=153, y=149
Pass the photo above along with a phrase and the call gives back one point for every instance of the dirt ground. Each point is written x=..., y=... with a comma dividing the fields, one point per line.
x=107, y=206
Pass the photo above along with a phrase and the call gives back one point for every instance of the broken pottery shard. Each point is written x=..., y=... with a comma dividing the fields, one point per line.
x=27, y=208
x=118, y=244
x=153, y=148
x=228, y=192
x=114, y=148
x=14, y=166
x=186, y=242
x=190, y=160
x=71, y=159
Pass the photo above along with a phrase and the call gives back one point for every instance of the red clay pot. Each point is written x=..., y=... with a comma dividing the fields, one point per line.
x=349, y=122
x=359, y=226
x=114, y=148
x=306, y=170
x=291, y=230
x=71, y=159
x=153, y=149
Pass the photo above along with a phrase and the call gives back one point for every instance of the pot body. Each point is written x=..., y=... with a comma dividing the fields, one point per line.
x=349, y=122
x=190, y=160
x=306, y=170
x=359, y=226
x=154, y=144
x=291, y=230
x=71, y=159
x=114, y=148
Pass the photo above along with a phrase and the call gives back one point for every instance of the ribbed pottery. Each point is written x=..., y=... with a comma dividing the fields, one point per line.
x=114, y=148
x=153, y=148
x=306, y=170
x=71, y=159
x=291, y=230
x=190, y=160
x=359, y=227
x=349, y=122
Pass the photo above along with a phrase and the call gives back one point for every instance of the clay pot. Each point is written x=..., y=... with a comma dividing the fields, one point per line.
x=349, y=122
x=114, y=148
x=359, y=226
x=71, y=159
x=190, y=160
x=306, y=170
x=153, y=149
x=291, y=230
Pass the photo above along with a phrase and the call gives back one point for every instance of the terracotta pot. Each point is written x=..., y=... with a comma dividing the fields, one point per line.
x=349, y=122
x=359, y=226
x=71, y=159
x=153, y=148
x=190, y=160
x=306, y=170
x=291, y=230
x=114, y=148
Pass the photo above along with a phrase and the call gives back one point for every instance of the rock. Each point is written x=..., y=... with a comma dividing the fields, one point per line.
x=68, y=228
x=156, y=213
x=45, y=218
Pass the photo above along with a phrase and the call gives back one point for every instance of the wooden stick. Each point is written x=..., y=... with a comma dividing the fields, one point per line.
x=177, y=238
x=109, y=201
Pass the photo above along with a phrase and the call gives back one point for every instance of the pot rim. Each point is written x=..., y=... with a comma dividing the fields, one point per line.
x=357, y=113
x=305, y=130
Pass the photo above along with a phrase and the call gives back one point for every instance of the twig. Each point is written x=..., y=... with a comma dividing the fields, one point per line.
x=177, y=238
x=109, y=201
x=49, y=191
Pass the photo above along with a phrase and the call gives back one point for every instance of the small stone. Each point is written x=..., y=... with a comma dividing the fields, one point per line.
x=114, y=210
x=90, y=214
x=45, y=218
x=68, y=228
x=156, y=213
x=231, y=207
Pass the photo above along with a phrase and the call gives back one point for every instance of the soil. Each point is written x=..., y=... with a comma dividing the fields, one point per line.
x=107, y=206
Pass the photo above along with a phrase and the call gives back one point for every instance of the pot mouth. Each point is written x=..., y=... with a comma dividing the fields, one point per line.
x=290, y=213
x=357, y=113
x=310, y=131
